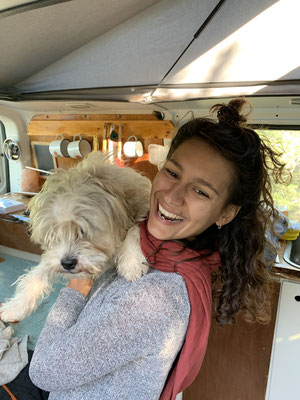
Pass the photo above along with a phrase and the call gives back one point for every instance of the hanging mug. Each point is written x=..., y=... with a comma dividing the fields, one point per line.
x=59, y=147
x=79, y=148
x=133, y=148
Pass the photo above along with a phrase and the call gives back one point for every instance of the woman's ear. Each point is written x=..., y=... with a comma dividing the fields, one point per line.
x=228, y=214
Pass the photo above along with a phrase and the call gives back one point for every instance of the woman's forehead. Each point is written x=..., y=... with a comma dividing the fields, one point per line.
x=201, y=161
x=196, y=151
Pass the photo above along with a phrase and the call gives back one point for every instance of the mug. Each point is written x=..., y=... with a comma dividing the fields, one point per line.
x=58, y=147
x=79, y=148
x=133, y=149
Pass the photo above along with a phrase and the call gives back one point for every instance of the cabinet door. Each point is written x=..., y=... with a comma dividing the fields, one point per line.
x=237, y=360
x=283, y=380
x=13, y=235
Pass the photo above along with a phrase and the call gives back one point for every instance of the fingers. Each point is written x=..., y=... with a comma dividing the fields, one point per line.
x=82, y=285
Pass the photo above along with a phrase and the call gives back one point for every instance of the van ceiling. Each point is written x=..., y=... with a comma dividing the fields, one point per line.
x=148, y=51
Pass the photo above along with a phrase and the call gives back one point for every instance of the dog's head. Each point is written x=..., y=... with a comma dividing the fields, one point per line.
x=81, y=216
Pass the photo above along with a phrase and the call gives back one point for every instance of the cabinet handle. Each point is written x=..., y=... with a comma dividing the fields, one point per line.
x=297, y=298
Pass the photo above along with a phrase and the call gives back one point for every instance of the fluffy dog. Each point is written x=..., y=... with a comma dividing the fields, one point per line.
x=85, y=219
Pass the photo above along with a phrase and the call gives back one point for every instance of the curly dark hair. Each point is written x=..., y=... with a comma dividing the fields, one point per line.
x=243, y=275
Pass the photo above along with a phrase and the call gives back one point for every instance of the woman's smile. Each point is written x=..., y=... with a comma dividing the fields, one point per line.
x=167, y=216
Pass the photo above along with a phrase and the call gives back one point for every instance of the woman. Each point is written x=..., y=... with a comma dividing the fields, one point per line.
x=210, y=204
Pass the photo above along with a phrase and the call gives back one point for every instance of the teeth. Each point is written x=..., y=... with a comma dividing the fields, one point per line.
x=169, y=215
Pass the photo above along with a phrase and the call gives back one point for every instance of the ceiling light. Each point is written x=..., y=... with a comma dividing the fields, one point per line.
x=79, y=106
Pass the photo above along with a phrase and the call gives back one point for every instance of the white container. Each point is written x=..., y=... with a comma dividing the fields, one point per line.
x=58, y=147
x=79, y=148
x=133, y=148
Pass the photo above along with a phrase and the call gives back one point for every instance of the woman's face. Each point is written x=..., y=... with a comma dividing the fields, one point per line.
x=190, y=191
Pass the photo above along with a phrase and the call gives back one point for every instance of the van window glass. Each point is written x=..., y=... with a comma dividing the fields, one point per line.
x=286, y=197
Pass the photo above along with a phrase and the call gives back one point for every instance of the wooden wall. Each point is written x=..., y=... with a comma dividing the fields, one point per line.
x=236, y=364
x=146, y=127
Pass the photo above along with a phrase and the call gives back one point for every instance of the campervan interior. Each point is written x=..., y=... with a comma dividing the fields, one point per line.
x=115, y=71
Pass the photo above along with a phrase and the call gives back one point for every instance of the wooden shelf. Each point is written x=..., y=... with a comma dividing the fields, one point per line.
x=142, y=126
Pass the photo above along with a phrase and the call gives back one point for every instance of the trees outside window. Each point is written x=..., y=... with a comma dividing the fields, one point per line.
x=286, y=197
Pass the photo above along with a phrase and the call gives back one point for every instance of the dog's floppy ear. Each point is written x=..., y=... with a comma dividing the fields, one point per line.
x=137, y=190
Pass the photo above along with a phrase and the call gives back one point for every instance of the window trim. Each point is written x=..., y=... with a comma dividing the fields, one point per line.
x=5, y=188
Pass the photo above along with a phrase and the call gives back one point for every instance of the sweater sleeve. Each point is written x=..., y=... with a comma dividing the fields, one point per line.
x=63, y=315
x=73, y=351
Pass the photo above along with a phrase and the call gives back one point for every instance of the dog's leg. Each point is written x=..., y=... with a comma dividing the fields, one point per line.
x=31, y=287
x=131, y=263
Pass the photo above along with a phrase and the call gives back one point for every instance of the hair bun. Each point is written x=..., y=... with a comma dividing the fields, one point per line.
x=230, y=113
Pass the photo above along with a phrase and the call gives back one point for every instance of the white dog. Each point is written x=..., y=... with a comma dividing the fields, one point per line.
x=85, y=219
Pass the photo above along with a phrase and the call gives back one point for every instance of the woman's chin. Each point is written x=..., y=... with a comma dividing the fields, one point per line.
x=162, y=231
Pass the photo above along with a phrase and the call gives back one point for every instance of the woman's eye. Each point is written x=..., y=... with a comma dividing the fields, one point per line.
x=172, y=173
x=200, y=192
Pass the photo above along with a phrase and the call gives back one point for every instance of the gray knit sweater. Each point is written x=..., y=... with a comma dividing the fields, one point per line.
x=118, y=344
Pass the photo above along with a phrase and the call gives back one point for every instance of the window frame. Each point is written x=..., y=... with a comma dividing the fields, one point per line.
x=4, y=165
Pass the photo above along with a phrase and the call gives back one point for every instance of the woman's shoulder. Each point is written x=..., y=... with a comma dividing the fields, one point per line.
x=170, y=281
x=162, y=290
x=157, y=298
x=156, y=289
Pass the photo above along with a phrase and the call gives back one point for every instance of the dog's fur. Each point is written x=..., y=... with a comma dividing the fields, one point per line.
x=85, y=219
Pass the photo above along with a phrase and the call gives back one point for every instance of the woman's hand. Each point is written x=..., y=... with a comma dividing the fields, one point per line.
x=82, y=285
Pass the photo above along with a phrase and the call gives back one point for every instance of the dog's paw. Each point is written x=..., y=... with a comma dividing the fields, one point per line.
x=9, y=313
x=130, y=260
x=133, y=271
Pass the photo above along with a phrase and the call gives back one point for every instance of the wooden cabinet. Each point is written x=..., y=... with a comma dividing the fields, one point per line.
x=237, y=361
x=15, y=236
x=13, y=232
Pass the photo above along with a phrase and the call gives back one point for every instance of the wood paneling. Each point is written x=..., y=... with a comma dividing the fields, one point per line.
x=237, y=361
x=14, y=235
x=146, y=127
x=90, y=125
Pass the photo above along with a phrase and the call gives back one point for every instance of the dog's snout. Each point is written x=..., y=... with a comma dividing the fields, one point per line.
x=68, y=263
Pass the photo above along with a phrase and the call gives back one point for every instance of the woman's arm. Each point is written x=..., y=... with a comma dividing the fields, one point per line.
x=73, y=352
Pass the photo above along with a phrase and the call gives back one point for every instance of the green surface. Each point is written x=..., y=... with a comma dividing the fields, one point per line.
x=10, y=269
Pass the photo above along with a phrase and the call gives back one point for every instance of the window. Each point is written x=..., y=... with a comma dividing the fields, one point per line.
x=286, y=197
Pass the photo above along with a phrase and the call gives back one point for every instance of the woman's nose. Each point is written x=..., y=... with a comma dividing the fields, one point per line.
x=175, y=195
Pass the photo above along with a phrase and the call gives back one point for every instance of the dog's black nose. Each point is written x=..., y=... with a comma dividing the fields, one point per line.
x=68, y=263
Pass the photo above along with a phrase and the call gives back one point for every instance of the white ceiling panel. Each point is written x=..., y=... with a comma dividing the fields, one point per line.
x=31, y=41
x=127, y=50
x=248, y=41
x=136, y=52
